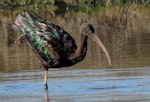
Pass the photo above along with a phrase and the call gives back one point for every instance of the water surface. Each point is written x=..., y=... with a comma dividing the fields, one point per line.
x=86, y=85
x=127, y=79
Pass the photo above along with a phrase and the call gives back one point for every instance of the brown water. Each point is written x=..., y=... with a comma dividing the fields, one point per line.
x=127, y=39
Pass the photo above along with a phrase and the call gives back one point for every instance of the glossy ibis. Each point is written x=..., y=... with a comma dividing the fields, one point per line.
x=53, y=45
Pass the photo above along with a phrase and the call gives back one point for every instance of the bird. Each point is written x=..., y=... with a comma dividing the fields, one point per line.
x=54, y=46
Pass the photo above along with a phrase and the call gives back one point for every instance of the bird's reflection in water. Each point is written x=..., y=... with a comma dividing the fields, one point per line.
x=47, y=99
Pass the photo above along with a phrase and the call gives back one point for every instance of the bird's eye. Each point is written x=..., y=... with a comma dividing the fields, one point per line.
x=90, y=32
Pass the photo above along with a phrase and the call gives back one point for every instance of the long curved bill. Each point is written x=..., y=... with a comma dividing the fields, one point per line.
x=96, y=39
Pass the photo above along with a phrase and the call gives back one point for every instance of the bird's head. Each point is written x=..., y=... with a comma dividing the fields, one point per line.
x=88, y=30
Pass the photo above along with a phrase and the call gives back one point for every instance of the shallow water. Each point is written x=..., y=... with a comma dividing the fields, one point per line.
x=127, y=79
x=87, y=85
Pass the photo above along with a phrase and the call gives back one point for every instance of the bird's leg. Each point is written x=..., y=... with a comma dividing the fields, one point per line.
x=19, y=39
x=46, y=96
x=45, y=79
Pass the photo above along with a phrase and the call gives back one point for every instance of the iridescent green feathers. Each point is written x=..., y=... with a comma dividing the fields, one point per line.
x=51, y=43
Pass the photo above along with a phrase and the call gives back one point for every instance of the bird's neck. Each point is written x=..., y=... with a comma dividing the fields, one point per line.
x=81, y=50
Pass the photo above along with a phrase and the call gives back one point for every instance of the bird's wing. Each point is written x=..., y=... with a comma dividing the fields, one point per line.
x=48, y=40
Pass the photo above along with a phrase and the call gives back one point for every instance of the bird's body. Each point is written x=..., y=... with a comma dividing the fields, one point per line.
x=54, y=46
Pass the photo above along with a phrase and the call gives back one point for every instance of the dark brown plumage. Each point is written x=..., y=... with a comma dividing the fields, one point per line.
x=54, y=46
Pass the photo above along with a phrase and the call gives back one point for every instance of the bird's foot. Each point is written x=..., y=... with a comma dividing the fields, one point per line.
x=46, y=86
x=19, y=39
